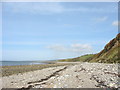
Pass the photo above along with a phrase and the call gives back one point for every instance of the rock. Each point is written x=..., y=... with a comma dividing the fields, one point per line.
x=112, y=85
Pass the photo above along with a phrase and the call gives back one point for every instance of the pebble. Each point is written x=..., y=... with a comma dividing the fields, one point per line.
x=92, y=76
x=113, y=85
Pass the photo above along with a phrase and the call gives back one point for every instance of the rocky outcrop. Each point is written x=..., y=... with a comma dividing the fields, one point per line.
x=110, y=53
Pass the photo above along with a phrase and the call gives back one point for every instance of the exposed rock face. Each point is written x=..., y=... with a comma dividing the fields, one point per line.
x=110, y=53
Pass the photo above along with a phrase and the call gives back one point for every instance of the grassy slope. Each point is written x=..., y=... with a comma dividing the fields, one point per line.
x=83, y=58
x=109, y=57
x=110, y=54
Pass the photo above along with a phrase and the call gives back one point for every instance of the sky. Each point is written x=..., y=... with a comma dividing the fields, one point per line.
x=56, y=30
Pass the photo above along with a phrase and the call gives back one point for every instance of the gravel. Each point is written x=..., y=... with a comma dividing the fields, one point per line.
x=80, y=75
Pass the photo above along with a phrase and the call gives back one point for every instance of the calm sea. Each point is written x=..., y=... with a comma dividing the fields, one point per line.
x=13, y=63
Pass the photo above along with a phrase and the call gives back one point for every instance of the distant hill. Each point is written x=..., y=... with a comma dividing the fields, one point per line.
x=110, y=54
x=83, y=58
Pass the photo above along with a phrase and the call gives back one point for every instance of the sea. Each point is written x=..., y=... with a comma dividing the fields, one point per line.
x=14, y=63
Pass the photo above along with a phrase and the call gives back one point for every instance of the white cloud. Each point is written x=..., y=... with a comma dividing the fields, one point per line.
x=91, y=9
x=36, y=8
x=51, y=7
x=81, y=48
x=73, y=48
x=101, y=19
x=116, y=23
x=57, y=47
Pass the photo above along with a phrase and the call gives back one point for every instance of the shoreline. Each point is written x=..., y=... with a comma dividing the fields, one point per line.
x=18, y=63
x=80, y=75
x=16, y=69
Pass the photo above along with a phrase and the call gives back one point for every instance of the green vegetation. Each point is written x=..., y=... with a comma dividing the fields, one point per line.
x=10, y=70
x=110, y=54
x=84, y=58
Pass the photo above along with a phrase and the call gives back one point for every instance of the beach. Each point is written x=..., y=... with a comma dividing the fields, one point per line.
x=69, y=75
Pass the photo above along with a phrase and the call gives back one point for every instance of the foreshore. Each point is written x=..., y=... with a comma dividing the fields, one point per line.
x=10, y=70
x=63, y=75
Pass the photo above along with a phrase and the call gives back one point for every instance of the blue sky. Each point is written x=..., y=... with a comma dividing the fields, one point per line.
x=56, y=30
